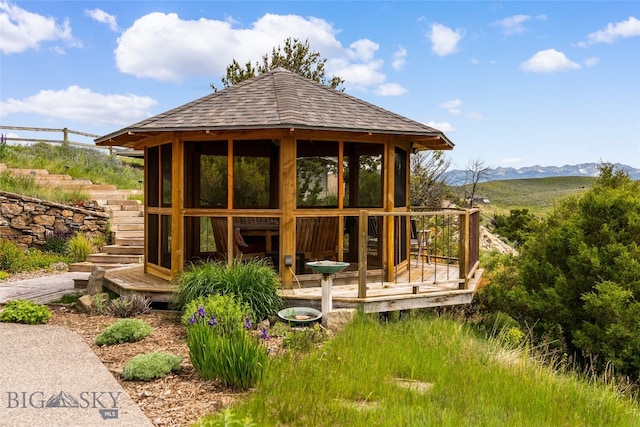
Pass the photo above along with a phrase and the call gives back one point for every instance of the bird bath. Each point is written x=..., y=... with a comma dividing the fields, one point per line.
x=327, y=269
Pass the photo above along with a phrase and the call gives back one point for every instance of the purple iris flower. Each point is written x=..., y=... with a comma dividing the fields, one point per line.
x=212, y=321
x=264, y=335
x=247, y=324
x=201, y=312
x=192, y=320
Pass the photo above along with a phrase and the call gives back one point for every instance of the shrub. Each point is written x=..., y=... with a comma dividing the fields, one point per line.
x=56, y=241
x=24, y=311
x=125, y=330
x=79, y=247
x=228, y=312
x=253, y=282
x=577, y=276
x=12, y=258
x=145, y=367
x=128, y=305
x=233, y=356
x=304, y=339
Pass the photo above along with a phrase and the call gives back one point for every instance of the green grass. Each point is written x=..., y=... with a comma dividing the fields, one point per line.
x=424, y=371
x=27, y=186
x=79, y=163
x=537, y=195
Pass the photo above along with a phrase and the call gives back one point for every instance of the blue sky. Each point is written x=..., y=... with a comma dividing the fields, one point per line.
x=511, y=83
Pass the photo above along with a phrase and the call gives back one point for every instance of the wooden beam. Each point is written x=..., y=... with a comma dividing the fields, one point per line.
x=287, y=207
x=177, y=206
x=363, y=223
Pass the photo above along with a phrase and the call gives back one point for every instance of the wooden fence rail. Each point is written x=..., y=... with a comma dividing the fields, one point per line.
x=65, y=138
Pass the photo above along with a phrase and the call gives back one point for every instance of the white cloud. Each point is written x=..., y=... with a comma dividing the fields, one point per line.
x=441, y=126
x=81, y=104
x=452, y=106
x=513, y=24
x=104, y=18
x=444, y=40
x=364, y=49
x=358, y=76
x=167, y=48
x=624, y=29
x=475, y=61
x=475, y=116
x=21, y=30
x=399, y=58
x=591, y=62
x=390, y=89
x=548, y=61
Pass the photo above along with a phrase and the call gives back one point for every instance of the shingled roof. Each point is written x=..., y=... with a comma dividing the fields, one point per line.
x=280, y=99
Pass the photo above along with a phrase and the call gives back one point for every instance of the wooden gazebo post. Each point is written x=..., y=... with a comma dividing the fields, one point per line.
x=287, y=206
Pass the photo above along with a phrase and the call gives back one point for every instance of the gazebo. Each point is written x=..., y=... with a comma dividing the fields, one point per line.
x=283, y=168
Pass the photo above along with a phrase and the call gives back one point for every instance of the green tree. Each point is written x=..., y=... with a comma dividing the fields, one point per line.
x=428, y=185
x=295, y=56
x=578, y=276
x=517, y=226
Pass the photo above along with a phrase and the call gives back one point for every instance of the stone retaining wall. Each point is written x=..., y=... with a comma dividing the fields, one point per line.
x=28, y=221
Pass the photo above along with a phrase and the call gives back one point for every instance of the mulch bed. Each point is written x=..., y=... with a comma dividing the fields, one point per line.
x=179, y=399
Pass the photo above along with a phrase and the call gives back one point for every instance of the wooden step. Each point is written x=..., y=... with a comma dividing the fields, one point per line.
x=128, y=234
x=120, y=202
x=114, y=259
x=123, y=250
x=88, y=266
x=127, y=227
x=130, y=241
x=125, y=214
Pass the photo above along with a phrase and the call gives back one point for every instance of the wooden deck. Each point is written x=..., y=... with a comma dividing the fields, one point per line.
x=430, y=285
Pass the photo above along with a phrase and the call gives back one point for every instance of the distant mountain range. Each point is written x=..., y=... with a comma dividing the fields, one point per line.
x=457, y=177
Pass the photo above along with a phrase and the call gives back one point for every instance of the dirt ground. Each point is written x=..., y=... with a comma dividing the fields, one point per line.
x=179, y=399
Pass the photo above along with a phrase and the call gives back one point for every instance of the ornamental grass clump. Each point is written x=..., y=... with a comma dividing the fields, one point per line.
x=253, y=282
x=225, y=351
x=124, y=330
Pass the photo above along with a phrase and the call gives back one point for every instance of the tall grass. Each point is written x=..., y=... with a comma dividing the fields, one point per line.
x=425, y=371
x=253, y=282
x=77, y=162
x=26, y=185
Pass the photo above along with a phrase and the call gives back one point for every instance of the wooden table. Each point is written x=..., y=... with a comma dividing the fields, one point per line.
x=265, y=229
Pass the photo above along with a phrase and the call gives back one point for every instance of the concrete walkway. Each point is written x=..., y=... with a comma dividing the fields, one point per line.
x=50, y=377
x=41, y=289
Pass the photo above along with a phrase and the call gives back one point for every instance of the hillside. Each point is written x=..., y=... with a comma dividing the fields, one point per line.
x=537, y=195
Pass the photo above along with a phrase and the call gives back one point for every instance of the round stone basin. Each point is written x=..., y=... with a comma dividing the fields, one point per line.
x=299, y=315
x=327, y=267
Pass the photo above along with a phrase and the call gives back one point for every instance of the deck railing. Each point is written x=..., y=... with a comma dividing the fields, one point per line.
x=446, y=239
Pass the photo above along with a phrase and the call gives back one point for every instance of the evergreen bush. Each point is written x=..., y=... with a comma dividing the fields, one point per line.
x=124, y=330
x=145, y=367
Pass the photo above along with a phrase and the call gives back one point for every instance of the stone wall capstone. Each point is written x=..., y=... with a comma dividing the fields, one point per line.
x=28, y=221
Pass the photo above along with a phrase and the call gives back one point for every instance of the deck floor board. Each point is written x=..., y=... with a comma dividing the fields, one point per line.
x=433, y=286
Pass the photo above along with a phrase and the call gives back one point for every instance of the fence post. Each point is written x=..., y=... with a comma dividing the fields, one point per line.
x=65, y=136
